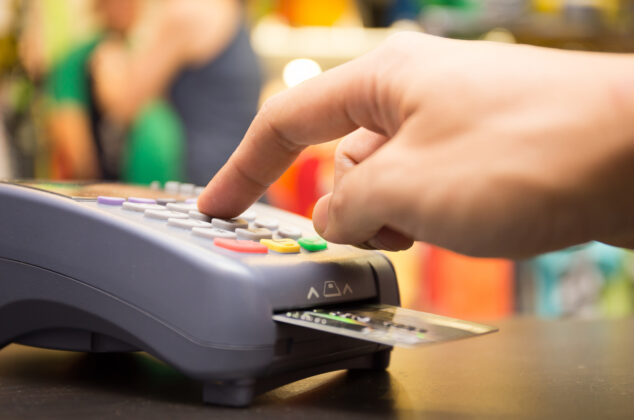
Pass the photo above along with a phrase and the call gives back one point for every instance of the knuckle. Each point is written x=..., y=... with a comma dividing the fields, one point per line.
x=342, y=155
x=268, y=118
x=270, y=105
x=404, y=43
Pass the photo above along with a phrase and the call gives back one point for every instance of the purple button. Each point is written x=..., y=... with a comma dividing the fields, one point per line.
x=141, y=200
x=110, y=201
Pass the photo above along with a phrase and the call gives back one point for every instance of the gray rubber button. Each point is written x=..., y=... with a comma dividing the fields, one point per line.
x=186, y=189
x=141, y=207
x=230, y=224
x=164, y=201
x=254, y=234
x=289, y=232
x=198, y=190
x=155, y=185
x=248, y=215
x=188, y=223
x=213, y=233
x=267, y=222
x=172, y=186
x=195, y=214
x=182, y=207
x=164, y=214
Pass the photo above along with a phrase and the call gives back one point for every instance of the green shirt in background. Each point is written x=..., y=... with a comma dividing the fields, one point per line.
x=154, y=143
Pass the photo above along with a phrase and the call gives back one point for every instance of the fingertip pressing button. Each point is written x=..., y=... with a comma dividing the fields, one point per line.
x=284, y=246
x=313, y=244
x=110, y=201
x=241, y=246
x=213, y=233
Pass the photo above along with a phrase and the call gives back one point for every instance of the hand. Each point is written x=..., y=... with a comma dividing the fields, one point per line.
x=485, y=149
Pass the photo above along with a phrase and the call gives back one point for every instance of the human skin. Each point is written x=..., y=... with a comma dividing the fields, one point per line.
x=486, y=149
x=73, y=150
x=182, y=33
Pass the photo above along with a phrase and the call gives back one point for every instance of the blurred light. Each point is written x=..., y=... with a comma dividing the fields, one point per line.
x=500, y=35
x=5, y=17
x=300, y=69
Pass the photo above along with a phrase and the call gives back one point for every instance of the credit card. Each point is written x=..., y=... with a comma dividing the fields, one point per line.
x=385, y=324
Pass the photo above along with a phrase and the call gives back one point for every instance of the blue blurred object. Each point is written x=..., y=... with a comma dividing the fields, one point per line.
x=587, y=280
x=404, y=10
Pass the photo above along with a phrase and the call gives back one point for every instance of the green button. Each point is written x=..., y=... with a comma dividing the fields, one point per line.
x=313, y=244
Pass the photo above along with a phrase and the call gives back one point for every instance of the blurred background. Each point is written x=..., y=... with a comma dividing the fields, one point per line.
x=143, y=90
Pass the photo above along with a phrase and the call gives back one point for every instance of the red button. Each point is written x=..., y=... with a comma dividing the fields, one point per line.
x=241, y=246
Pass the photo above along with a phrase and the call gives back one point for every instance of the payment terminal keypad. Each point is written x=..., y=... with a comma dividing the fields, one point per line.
x=253, y=232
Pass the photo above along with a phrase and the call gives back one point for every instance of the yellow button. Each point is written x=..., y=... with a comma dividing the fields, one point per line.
x=285, y=245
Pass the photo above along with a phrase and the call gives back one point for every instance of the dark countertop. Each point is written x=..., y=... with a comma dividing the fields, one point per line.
x=530, y=369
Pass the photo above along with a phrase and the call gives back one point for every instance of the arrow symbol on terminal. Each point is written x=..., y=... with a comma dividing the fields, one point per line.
x=312, y=292
x=347, y=289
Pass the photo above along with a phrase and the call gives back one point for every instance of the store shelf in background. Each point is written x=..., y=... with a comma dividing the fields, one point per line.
x=277, y=43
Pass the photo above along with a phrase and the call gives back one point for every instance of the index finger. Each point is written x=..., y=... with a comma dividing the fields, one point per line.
x=319, y=110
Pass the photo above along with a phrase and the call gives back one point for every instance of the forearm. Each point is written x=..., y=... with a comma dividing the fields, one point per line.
x=72, y=143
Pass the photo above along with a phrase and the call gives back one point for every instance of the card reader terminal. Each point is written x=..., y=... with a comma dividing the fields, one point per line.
x=112, y=268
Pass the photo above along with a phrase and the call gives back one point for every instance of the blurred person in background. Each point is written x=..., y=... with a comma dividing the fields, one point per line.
x=122, y=104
